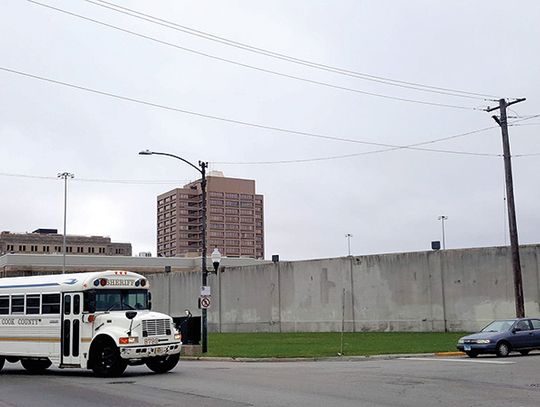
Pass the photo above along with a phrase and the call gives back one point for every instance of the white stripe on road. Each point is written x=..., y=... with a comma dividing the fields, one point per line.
x=492, y=362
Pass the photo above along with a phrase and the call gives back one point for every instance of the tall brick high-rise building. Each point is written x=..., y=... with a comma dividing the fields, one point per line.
x=234, y=216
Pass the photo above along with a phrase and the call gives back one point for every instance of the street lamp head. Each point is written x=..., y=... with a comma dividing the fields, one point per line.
x=216, y=258
x=145, y=152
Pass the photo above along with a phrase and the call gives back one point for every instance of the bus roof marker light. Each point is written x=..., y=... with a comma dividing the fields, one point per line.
x=96, y=283
x=143, y=282
x=103, y=282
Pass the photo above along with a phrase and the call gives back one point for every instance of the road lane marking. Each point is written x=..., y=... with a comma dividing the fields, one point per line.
x=492, y=362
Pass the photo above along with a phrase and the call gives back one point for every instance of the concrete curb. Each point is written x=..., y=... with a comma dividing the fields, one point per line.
x=319, y=359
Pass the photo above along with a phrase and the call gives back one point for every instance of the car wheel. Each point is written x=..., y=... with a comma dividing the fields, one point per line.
x=163, y=364
x=36, y=366
x=503, y=349
x=472, y=354
x=524, y=352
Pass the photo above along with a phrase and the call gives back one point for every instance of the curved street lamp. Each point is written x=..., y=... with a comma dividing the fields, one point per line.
x=204, y=273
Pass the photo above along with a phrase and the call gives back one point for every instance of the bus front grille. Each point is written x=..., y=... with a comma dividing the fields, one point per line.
x=154, y=327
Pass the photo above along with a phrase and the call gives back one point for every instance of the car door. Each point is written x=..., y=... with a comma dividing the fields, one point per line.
x=522, y=335
x=535, y=323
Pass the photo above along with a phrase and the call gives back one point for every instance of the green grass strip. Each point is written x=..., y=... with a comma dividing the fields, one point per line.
x=326, y=344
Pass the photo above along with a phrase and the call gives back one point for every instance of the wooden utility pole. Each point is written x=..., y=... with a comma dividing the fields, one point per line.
x=512, y=224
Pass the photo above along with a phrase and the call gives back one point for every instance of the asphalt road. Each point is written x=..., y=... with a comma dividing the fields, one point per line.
x=414, y=382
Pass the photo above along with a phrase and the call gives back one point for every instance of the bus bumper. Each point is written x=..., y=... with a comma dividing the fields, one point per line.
x=138, y=352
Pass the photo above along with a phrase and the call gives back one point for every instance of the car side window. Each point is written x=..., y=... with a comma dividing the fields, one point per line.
x=522, y=326
x=535, y=323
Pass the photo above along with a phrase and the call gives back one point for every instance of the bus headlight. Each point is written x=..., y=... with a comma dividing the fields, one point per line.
x=127, y=340
x=177, y=336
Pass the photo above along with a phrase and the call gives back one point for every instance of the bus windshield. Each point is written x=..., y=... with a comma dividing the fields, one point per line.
x=121, y=300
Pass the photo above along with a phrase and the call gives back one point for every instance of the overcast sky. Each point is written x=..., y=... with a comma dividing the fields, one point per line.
x=389, y=201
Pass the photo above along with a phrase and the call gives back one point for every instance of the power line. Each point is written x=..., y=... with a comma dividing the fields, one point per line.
x=104, y=181
x=203, y=115
x=351, y=155
x=359, y=75
x=325, y=84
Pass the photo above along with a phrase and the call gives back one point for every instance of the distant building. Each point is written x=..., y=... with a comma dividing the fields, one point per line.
x=42, y=241
x=235, y=219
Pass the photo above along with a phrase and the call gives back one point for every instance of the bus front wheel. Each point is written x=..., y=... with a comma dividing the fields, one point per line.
x=163, y=364
x=106, y=360
x=36, y=366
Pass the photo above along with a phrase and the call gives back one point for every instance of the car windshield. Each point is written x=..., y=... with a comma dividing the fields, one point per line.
x=121, y=300
x=499, y=326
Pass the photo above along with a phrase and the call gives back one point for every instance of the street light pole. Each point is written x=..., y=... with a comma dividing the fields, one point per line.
x=442, y=218
x=204, y=272
x=348, y=236
x=64, y=176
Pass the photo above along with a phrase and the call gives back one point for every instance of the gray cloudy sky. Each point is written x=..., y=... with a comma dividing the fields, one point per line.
x=389, y=201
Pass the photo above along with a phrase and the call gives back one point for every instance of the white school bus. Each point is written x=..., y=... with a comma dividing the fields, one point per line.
x=99, y=320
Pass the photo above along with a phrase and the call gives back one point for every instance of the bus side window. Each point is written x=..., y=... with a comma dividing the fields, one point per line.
x=17, y=304
x=90, y=301
x=76, y=304
x=4, y=304
x=32, y=304
x=67, y=305
x=50, y=304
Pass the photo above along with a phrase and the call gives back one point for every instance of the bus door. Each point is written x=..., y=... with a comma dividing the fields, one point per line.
x=71, y=328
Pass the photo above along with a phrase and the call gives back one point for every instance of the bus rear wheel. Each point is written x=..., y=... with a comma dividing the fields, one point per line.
x=163, y=364
x=106, y=360
x=36, y=366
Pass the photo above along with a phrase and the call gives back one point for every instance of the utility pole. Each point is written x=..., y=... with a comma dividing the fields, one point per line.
x=512, y=224
x=64, y=176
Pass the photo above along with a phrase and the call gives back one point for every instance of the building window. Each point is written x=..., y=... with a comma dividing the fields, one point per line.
x=248, y=243
x=215, y=194
x=244, y=204
x=216, y=210
x=248, y=235
x=216, y=226
x=232, y=219
x=232, y=242
x=246, y=212
x=58, y=249
x=10, y=247
x=247, y=227
x=33, y=248
x=246, y=196
x=80, y=249
x=230, y=195
x=216, y=202
x=46, y=249
x=119, y=251
x=216, y=218
x=216, y=234
x=232, y=234
x=22, y=248
x=101, y=250
x=246, y=220
x=231, y=203
x=91, y=250
x=69, y=249
x=231, y=211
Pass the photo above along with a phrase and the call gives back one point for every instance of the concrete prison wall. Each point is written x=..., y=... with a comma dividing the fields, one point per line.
x=454, y=290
